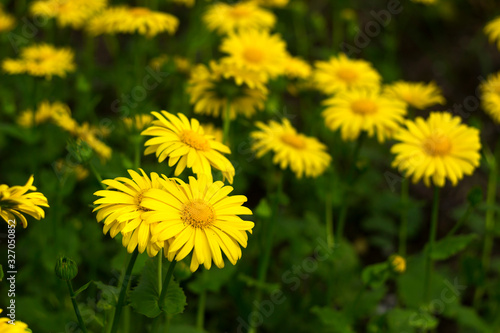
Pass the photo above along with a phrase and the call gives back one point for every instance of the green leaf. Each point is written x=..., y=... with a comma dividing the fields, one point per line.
x=263, y=209
x=376, y=275
x=450, y=246
x=337, y=321
x=468, y=317
x=82, y=288
x=109, y=296
x=398, y=320
x=175, y=301
x=423, y=319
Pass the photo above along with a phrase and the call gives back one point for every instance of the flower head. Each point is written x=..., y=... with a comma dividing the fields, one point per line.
x=41, y=60
x=47, y=111
x=225, y=18
x=341, y=73
x=355, y=111
x=7, y=21
x=490, y=96
x=6, y=327
x=398, y=263
x=304, y=155
x=185, y=143
x=437, y=148
x=297, y=68
x=416, y=94
x=492, y=29
x=73, y=13
x=198, y=217
x=138, y=122
x=15, y=201
x=273, y=3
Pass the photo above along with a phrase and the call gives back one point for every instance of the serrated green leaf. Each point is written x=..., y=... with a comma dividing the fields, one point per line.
x=337, y=321
x=450, y=246
x=82, y=288
x=175, y=300
x=109, y=296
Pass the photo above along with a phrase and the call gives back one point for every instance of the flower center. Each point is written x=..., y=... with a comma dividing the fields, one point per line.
x=198, y=214
x=437, y=145
x=139, y=197
x=195, y=140
x=294, y=140
x=253, y=54
x=364, y=107
x=139, y=11
x=348, y=75
x=239, y=12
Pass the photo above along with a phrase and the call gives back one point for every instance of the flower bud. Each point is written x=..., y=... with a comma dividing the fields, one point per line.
x=66, y=269
x=398, y=263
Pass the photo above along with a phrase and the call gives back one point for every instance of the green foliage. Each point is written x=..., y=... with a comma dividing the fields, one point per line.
x=450, y=246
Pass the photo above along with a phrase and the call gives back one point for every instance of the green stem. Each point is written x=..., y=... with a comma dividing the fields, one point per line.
x=330, y=237
x=75, y=306
x=227, y=123
x=460, y=222
x=403, y=228
x=200, y=316
x=160, y=266
x=123, y=291
x=166, y=282
x=96, y=174
x=429, y=267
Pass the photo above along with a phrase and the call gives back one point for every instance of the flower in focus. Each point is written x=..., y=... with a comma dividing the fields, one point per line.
x=305, y=155
x=212, y=88
x=398, y=263
x=257, y=51
x=416, y=94
x=41, y=60
x=490, y=96
x=363, y=110
x=297, y=68
x=130, y=20
x=492, y=29
x=184, y=143
x=341, y=73
x=437, y=148
x=7, y=21
x=74, y=13
x=225, y=18
x=15, y=201
x=18, y=327
x=211, y=130
x=198, y=217
x=138, y=122
x=121, y=210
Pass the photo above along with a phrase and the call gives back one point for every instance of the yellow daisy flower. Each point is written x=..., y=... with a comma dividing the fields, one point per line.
x=363, y=110
x=216, y=132
x=14, y=202
x=305, y=155
x=257, y=51
x=85, y=133
x=138, y=122
x=225, y=18
x=296, y=68
x=46, y=111
x=121, y=209
x=211, y=88
x=73, y=13
x=492, y=29
x=7, y=21
x=18, y=327
x=416, y=94
x=185, y=144
x=398, y=263
x=341, y=73
x=437, y=148
x=273, y=3
x=41, y=60
x=199, y=217
x=490, y=96
x=130, y=20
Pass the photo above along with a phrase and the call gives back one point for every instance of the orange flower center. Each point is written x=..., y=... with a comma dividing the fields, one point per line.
x=293, y=140
x=195, y=140
x=348, y=75
x=138, y=199
x=253, y=54
x=198, y=214
x=140, y=11
x=437, y=145
x=364, y=107
x=239, y=12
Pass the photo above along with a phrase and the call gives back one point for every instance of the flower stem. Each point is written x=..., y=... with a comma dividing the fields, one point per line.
x=429, y=267
x=227, y=122
x=330, y=238
x=461, y=221
x=75, y=306
x=123, y=291
x=96, y=174
x=200, y=316
x=403, y=228
x=160, y=266
x=166, y=282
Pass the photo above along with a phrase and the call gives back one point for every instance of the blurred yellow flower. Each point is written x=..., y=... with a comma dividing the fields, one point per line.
x=416, y=94
x=490, y=96
x=18, y=327
x=256, y=50
x=398, y=263
x=185, y=143
x=85, y=133
x=212, y=88
x=41, y=60
x=73, y=13
x=7, y=21
x=198, y=217
x=138, y=122
x=216, y=132
x=304, y=155
x=122, y=210
x=492, y=29
x=130, y=20
x=426, y=2
x=225, y=18
x=15, y=201
x=297, y=68
x=354, y=111
x=273, y=3
x=62, y=167
x=341, y=73
x=437, y=148
x=45, y=112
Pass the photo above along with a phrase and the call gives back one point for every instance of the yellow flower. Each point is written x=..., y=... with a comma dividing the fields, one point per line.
x=212, y=88
x=273, y=3
x=416, y=94
x=490, y=96
x=14, y=202
x=130, y=20
x=41, y=60
x=305, y=155
x=18, y=327
x=354, y=111
x=73, y=13
x=7, y=21
x=210, y=129
x=297, y=68
x=492, y=29
x=138, y=122
x=436, y=149
x=398, y=263
x=198, y=217
x=225, y=18
x=85, y=133
x=46, y=111
x=182, y=64
x=341, y=73
x=256, y=50
x=122, y=210
x=185, y=144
